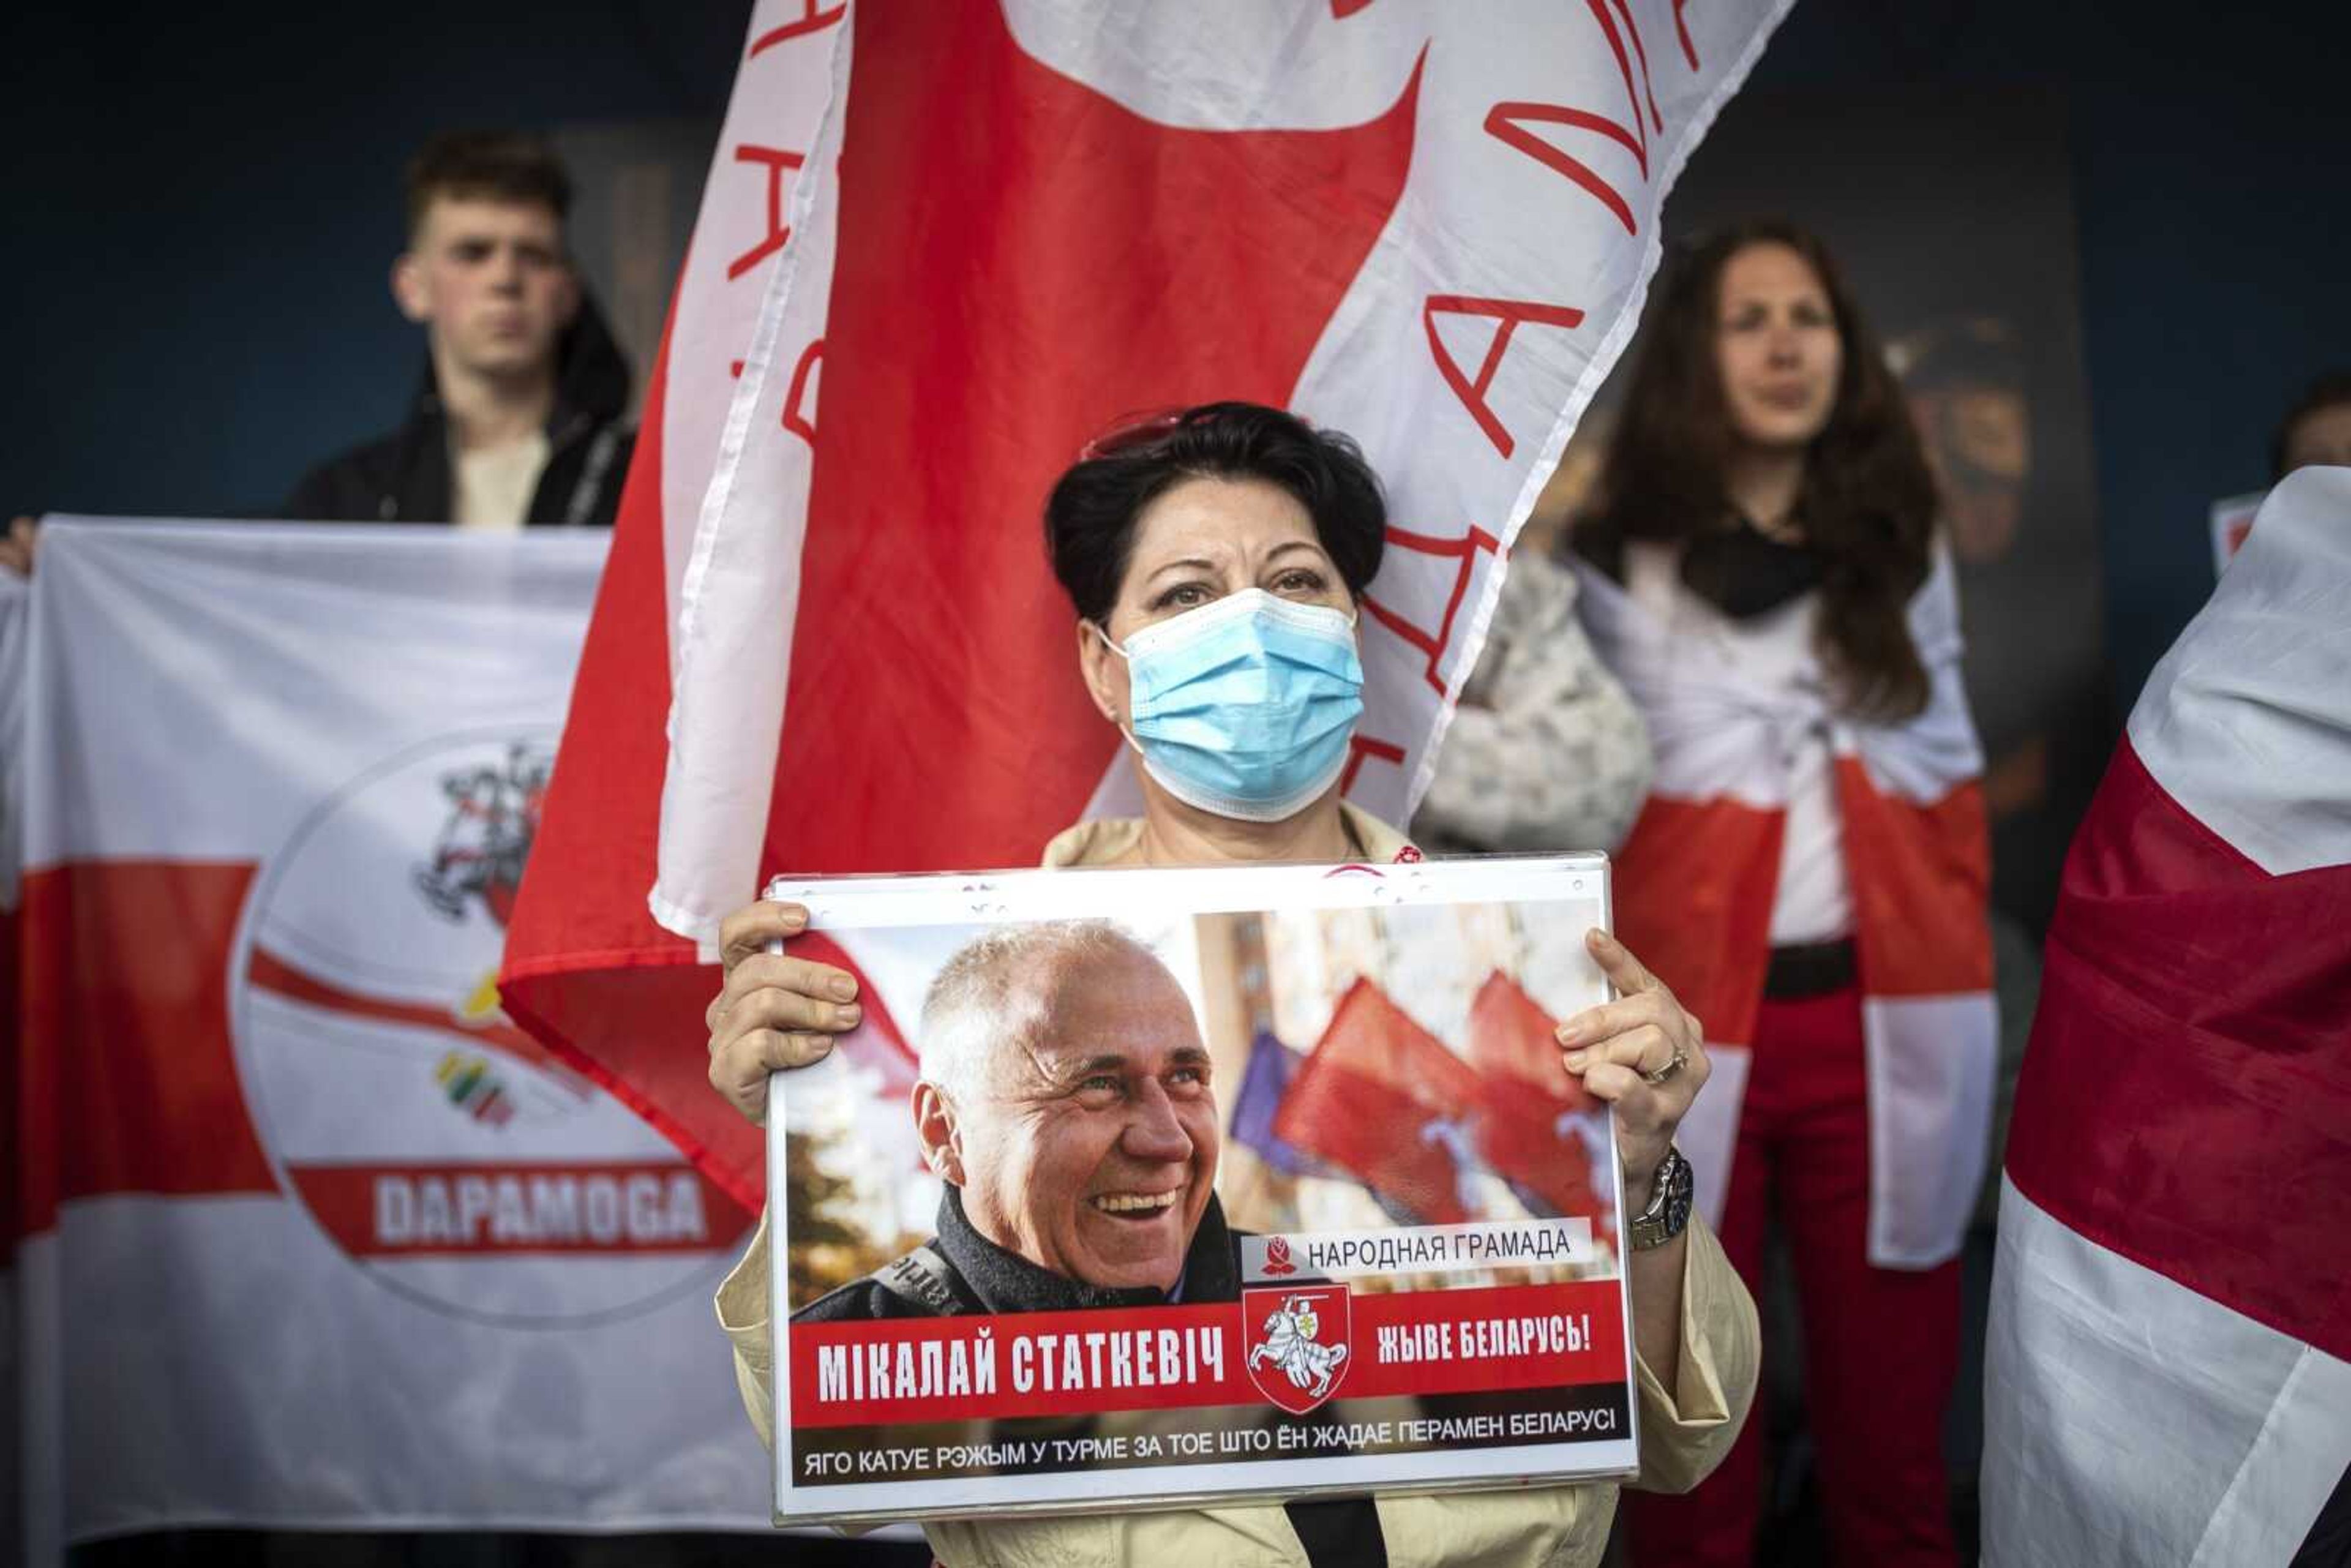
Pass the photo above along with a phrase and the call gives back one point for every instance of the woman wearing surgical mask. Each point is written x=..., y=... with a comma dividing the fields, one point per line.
x=1216, y=560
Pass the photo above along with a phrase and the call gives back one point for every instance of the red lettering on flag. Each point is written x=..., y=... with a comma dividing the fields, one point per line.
x=1361, y=746
x=810, y=20
x=1343, y=9
x=1681, y=27
x=1465, y=551
x=1504, y=121
x=1510, y=313
x=777, y=161
x=486, y=1211
x=802, y=424
x=1648, y=91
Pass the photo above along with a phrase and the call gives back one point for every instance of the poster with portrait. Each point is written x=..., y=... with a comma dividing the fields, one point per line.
x=1146, y=1187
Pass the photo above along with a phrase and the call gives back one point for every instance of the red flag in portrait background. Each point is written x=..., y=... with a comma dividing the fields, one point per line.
x=1527, y=1104
x=940, y=248
x=1384, y=1100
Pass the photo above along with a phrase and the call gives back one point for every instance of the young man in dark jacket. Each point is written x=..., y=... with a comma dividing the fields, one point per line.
x=518, y=421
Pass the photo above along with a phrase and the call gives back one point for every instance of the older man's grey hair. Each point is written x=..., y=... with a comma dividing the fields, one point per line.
x=979, y=1004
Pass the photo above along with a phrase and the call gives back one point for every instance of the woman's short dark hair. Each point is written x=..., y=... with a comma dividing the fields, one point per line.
x=1091, y=516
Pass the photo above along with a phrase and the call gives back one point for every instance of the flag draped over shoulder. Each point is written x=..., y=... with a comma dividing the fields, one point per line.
x=940, y=248
x=2168, y=1374
x=307, y=1235
x=1697, y=878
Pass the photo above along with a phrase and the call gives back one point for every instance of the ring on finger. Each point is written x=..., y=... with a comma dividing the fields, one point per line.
x=1681, y=1059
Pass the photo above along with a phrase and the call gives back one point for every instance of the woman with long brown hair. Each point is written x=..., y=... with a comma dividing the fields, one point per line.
x=1762, y=570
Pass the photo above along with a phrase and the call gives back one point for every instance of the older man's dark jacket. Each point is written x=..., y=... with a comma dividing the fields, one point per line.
x=978, y=1276
x=981, y=1277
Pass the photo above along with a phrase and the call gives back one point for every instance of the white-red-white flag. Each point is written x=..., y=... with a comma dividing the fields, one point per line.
x=2168, y=1377
x=1011, y=223
x=306, y=1233
x=14, y=619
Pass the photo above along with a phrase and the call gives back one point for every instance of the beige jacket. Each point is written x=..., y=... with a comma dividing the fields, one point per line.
x=1685, y=1430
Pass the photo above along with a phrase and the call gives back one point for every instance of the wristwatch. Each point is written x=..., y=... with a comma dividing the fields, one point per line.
x=1670, y=1192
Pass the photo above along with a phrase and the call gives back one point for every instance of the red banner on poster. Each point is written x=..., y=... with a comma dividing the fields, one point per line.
x=905, y=1371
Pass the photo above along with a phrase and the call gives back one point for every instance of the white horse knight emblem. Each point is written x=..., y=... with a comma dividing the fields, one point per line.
x=1299, y=1342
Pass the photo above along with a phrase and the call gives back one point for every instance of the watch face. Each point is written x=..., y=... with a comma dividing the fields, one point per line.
x=1677, y=1189
x=1677, y=1201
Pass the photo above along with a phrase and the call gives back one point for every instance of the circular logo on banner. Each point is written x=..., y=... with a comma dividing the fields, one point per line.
x=447, y=1153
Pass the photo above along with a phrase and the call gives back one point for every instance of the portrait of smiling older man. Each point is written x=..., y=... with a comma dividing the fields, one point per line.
x=1066, y=1102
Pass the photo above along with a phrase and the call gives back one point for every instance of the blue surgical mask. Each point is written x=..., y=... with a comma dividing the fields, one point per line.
x=1244, y=706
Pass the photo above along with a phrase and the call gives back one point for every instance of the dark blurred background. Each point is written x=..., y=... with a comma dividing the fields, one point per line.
x=203, y=205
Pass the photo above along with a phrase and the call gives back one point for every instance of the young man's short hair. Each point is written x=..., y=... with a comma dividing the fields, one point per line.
x=485, y=165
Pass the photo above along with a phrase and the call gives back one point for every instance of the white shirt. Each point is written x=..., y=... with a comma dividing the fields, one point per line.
x=494, y=485
x=1813, y=901
x=1777, y=653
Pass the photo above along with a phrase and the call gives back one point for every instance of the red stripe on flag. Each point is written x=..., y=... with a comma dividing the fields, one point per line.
x=935, y=715
x=1466, y=1356
x=1922, y=881
x=1692, y=896
x=587, y=973
x=279, y=975
x=127, y=1080
x=2186, y=1099
x=12, y=1036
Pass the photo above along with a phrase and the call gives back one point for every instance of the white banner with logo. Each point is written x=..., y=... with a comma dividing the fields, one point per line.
x=307, y=1233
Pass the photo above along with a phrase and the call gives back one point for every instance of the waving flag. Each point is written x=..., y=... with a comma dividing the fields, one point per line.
x=2168, y=1377
x=1383, y=1099
x=942, y=247
x=1272, y=1067
x=1533, y=1120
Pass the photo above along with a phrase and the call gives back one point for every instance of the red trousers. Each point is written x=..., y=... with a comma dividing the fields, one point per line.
x=1881, y=1345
